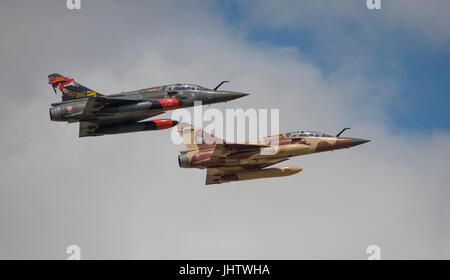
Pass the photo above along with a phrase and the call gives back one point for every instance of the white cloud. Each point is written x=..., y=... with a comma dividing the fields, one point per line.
x=424, y=20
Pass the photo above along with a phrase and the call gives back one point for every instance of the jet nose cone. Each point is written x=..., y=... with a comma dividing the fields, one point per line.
x=224, y=96
x=358, y=141
x=231, y=95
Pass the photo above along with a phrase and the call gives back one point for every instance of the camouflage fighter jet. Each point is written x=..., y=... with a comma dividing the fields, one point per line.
x=124, y=112
x=226, y=162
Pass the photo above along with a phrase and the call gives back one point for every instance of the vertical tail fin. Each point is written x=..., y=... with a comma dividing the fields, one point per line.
x=195, y=138
x=68, y=88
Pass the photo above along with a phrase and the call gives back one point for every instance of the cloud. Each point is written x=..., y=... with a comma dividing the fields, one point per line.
x=125, y=197
x=425, y=20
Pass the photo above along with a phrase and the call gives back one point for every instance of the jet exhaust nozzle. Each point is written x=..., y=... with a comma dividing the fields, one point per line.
x=183, y=160
x=55, y=114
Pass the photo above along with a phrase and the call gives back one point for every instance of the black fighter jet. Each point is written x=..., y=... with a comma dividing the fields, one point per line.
x=126, y=112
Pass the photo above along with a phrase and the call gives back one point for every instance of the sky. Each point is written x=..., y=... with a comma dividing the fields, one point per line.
x=324, y=64
x=385, y=40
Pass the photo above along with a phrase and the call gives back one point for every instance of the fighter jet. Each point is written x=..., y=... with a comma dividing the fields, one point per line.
x=124, y=112
x=226, y=162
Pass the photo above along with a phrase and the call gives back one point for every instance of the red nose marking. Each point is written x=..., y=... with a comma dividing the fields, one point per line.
x=169, y=103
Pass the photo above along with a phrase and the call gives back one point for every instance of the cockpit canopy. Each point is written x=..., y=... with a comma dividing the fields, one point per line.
x=304, y=133
x=182, y=87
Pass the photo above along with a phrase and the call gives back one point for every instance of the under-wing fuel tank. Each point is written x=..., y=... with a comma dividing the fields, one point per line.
x=158, y=124
x=280, y=171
